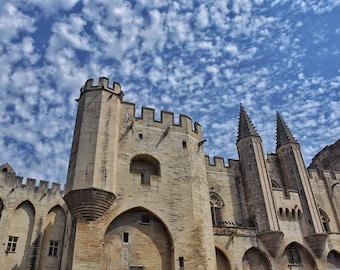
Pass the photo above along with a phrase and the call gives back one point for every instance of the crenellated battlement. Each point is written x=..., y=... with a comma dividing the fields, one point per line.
x=147, y=114
x=13, y=182
x=218, y=164
x=148, y=118
x=103, y=84
x=324, y=174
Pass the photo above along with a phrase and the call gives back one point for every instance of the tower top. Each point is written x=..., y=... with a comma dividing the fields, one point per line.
x=283, y=134
x=103, y=84
x=245, y=126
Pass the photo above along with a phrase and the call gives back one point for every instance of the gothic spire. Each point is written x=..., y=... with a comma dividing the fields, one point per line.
x=283, y=134
x=245, y=126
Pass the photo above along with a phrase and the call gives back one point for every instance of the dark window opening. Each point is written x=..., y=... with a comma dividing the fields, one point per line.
x=216, y=216
x=12, y=243
x=325, y=220
x=184, y=143
x=293, y=256
x=146, y=166
x=140, y=136
x=326, y=226
x=181, y=261
x=53, y=249
x=134, y=267
x=1, y=207
x=5, y=170
x=126, y=237
x=145, y=218
x=216, y=205
x=144, y=179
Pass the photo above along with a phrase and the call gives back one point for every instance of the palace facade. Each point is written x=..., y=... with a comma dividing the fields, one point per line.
x=141, y=194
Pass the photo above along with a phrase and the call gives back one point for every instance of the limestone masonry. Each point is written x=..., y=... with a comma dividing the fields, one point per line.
x=141, y=194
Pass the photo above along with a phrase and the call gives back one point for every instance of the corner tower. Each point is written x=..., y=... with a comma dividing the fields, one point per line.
x=91, y=178
x=295, y=178
x=257, y=185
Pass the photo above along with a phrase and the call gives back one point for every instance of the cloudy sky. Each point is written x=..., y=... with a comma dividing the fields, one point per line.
x=199, y=58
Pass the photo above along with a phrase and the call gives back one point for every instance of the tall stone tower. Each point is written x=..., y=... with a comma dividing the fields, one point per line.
x=257, y=184
x=90, y=185
x=91, y=176
x=295, y=178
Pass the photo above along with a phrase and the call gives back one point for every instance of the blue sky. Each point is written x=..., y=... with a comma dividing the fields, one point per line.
x=199, y=58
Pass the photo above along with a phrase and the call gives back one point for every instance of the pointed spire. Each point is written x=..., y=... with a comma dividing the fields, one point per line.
x=245, y=126
x=283, y=134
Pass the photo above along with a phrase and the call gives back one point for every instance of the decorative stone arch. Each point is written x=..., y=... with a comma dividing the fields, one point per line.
x=296, y=255
x=333, y=259
x=222, y=260
x=145, y=165
x=142, y=237
x=53, y=239
x=255, y=259
x=19, y=244
x=325, y=220
x=216, y=205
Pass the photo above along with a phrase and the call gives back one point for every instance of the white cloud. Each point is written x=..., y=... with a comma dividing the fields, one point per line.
x=202, y=17
x=197, y=60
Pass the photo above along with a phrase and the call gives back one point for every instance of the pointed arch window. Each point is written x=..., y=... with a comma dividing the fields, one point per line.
x=216, y=205
x=325, y=220
x=293, y=256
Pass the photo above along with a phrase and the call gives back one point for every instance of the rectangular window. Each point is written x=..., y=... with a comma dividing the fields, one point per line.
x=126, y=237
x=145, y=178
x=293, y=256
x=12, y=243
x=145, y=218
x=53, y=249
x=181, y=261
x=134, y=267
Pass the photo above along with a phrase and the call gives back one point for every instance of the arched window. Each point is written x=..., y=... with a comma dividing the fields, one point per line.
x=216, y=205
x=281, y=211
x=293, y=256
x=325, y=220
x=333, y=260
x=298, y=257
x=146, y=166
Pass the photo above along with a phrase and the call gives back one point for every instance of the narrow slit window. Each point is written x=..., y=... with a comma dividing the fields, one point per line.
x=181, y=261
x=126, y=237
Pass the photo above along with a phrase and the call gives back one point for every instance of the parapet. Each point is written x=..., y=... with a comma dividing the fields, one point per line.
x=324, y=174
x=166, y=120
x=103, y=84
x=13, y=182
x=218, y=165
